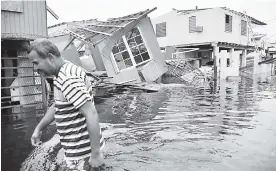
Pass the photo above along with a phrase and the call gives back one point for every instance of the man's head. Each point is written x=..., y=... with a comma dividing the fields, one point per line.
x=44, y=54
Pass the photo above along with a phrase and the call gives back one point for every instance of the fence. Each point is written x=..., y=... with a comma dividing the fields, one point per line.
x=22, y=89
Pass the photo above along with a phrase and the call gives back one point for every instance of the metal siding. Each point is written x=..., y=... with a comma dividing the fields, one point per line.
x=31, y=23
x=35, y=19
x=39, y=16
x=3, y=23
x=26, y=17
x=43, y=7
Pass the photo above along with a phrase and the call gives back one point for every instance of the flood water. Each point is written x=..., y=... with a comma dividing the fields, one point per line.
x=178, y=128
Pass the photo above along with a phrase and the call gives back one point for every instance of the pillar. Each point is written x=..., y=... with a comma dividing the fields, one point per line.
x=232, y=57
x=243, y=61
x=216, y=64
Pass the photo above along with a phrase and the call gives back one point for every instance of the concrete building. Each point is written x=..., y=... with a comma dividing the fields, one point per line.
x=220, y=35
x=125, y=47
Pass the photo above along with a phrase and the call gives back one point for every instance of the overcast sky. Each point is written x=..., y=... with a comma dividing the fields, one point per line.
x=73, y=10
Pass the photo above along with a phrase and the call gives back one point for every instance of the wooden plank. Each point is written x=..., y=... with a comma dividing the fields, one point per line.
x=70, y=43
x=94, y=31
x=102, y=25
x=53, y=13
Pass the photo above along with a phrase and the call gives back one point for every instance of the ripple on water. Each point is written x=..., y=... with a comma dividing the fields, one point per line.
x=185, y=128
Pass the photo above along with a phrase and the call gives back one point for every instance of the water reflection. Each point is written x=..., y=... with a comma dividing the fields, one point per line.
x=186, y=128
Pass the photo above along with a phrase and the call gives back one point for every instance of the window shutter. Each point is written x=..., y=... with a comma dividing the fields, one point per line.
x=228, y=23
x=161, y=30
x=243, y=28
x=192, y=24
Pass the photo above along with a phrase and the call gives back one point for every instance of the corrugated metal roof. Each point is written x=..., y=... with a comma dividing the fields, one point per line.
x=93, y=29
x=253, y=20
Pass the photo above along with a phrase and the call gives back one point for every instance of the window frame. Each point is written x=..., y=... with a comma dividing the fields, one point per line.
x=128, y=49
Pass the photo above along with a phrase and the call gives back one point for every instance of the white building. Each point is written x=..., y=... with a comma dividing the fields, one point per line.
x=212, y=31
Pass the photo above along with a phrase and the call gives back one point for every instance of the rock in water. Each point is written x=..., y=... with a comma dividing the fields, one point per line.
x=44, y=157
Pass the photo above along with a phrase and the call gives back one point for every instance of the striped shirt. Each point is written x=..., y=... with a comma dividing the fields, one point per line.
x=71, y=90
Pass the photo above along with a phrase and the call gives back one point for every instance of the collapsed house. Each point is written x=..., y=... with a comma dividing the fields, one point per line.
x=125, y=48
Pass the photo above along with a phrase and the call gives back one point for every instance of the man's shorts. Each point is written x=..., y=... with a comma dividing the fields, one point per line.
x=76, y=165
x=81, y=165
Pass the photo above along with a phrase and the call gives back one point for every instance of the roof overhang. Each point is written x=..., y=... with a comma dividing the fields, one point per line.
x=93, y=31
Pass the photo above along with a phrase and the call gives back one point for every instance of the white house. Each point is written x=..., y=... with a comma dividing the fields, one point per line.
x=212, y=31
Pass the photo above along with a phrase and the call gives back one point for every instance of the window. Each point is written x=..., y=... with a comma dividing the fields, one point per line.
x=228, y=23
x=121, y=55
x=130, y=50
x=228, y=62
x=137, y=46
x=243, y=28
x=161, y=30
x=192, y=24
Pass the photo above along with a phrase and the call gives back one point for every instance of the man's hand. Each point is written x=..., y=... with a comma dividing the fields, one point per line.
x=36, y=138
x=97, y=160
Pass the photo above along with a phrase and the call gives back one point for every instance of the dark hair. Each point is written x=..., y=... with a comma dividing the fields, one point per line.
x=43, y=47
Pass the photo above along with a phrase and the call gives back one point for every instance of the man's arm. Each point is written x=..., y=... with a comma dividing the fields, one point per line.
x=45, y=121
x=92, y=119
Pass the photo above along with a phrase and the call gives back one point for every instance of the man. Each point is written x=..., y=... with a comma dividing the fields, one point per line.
x=74, y=111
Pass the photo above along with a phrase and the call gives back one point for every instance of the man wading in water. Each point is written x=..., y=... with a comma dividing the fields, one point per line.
x=74, y=111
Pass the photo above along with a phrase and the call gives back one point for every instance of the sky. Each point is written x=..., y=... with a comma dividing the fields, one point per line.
x=74, y=10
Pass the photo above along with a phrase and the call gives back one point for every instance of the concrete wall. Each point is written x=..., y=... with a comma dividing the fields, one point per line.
x=231, y=70
x=70, y=53
x=213, y=22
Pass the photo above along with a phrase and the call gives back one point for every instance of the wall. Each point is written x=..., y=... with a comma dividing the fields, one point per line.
x=157, y=67
x=70, y=53
x=213, y=22
x=96, y=55
x=233, y=69
x=31, y=23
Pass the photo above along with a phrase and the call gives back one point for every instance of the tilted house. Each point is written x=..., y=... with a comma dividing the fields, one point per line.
x=125, y=47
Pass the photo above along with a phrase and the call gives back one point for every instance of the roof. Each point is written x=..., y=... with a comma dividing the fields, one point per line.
x=209, y=44
x=93, y=30
x=253, y=20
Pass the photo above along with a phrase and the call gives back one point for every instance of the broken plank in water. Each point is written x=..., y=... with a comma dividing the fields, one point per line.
x=146, y=87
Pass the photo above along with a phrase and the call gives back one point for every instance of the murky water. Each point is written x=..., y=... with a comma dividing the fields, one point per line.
x=178, y=128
